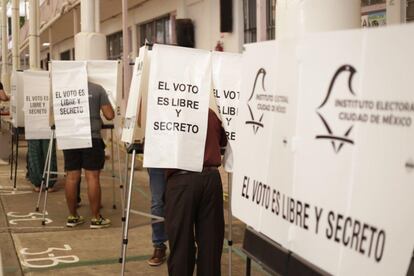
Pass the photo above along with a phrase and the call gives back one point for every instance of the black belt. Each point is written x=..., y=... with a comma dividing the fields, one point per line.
x=205, y=169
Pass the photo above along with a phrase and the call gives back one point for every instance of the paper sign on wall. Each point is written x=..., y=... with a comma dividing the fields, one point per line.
x=71, y=104
x=227, y=76
x=139, y=84
x=36, y=104
x=178, y=100
x=17, y=99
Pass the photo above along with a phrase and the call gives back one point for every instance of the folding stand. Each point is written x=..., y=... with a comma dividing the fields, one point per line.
x=230, y=222
x=111, y=127
x=46, y=174
x=14, y=158
x=134, y=149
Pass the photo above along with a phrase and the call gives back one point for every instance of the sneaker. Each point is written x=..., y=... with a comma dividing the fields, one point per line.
x=159, y=256
x=97, y=223
x=73, y=221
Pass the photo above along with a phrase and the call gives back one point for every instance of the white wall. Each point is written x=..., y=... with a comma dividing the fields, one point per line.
x=204, y=13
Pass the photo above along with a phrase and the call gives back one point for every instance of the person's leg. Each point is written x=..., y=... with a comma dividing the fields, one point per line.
x=181, y=204
x=210, y=226
x=157, y=186
x=72, y=178
x=36, y=162
x=94, y=191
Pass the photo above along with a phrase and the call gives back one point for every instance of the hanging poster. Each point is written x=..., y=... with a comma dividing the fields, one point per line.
x=227, y=76
x=139, y=84
x=36, y=104
x=178, y=100
x=71, y=104
x=17, y=99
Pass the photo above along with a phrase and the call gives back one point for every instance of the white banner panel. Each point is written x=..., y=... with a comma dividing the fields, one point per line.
x=105, y=73
x=71, y=104
x=178, y=100
x=349, y=192
x=330, y=67
x=226, y=75
x=17, y=99
x=381, y=197
x=254, y=131
x=36, y=104
x=139, y=82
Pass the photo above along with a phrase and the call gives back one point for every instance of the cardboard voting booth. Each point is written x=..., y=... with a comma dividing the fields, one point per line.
x=36, y=104
x=139, y=85
x=325, y=162
x=178, y=100
x=17, y=99
x=226, y=82
x=71, y=104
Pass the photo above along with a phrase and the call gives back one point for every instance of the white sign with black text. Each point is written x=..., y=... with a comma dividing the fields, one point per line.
x=178, y=100
x=71, y=104
x=17, y=99
x=36, y=104
x=139, y=83
x=227, y=77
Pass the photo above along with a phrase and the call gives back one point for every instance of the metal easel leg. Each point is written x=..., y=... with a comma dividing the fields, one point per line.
x=230, y=222
x=42, y=184
x=121, y=182
x=113, y=170
x=128, y=206
x=12, y=155
x=47, y=177
x=16, y=160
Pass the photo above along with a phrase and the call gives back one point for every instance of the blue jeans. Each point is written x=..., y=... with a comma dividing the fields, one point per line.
x=157, y=185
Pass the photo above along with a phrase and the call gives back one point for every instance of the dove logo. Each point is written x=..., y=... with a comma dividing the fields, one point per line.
x=337, y=141
x=256, y=121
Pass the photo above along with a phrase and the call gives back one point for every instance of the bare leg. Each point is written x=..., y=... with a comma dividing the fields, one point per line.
x=94, y=191
x=71, y=186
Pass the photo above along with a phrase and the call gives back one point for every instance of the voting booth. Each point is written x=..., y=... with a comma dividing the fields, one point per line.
x=323, y=164
x=17, y=99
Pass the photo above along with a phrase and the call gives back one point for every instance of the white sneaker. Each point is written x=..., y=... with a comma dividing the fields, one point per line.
x=2, y=162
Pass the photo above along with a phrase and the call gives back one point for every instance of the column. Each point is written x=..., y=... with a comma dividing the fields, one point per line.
x=15, y=35
x=4, y=40
x=261, y=20
x=34, y=47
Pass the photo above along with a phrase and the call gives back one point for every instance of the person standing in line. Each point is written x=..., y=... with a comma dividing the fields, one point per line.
x=157, y=185
x=92, y=160
x=194, y=211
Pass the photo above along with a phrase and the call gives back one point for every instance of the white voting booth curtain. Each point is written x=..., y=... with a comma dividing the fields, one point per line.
x=71, y=104
x=17, y=99
x=226, y=81
x=346, y=190
x=139, y=84
x=178, y=100
x=36, y=104
x=107, y=74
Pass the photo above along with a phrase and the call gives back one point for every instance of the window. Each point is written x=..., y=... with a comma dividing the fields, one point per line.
x=65, y=55
x=410, y=10
x=156, y=31
x=249, y=12
x=250, y=27
x=115, y=47
x=271, y=18
x=371, y=2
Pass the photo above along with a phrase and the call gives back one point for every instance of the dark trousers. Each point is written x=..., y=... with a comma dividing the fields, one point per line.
x=194, y=214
